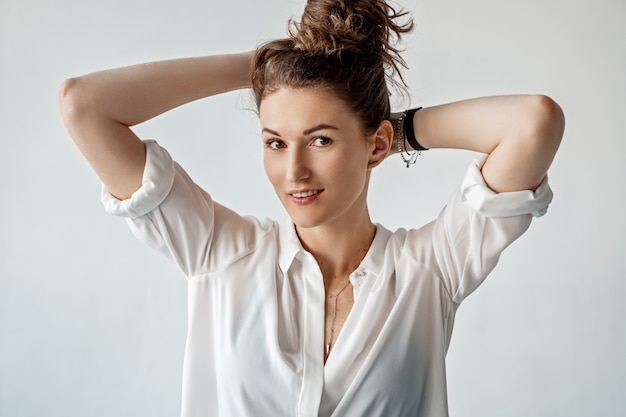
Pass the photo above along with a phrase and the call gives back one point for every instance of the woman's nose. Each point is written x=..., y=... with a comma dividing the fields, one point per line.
x=297, y=167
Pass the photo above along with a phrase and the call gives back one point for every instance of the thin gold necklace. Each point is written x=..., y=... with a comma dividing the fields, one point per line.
x=332, y=323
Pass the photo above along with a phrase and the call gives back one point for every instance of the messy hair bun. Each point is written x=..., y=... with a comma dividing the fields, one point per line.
x=347, y=46
x=363, y=27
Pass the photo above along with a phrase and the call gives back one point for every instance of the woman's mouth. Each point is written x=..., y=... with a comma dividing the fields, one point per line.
x=306, y=193
x=305, y=197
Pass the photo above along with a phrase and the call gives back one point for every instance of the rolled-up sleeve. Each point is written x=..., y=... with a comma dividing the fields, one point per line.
x=157, y=180
x=479, y=197
x=173, y=215
x=475, y=227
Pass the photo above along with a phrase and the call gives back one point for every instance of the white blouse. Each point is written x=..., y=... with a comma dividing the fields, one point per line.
x=255, y=345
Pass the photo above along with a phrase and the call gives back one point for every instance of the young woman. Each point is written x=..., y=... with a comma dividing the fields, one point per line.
x=328, y=314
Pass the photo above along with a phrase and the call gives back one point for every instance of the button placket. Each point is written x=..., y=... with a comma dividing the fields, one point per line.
x=313, y=365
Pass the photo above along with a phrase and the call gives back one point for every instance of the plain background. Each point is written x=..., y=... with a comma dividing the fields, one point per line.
x=93, y=324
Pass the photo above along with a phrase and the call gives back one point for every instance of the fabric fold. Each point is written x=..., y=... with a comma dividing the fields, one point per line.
x=156, y=183
x=477, y=195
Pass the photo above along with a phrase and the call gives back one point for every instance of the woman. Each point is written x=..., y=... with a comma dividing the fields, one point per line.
x=328, y=314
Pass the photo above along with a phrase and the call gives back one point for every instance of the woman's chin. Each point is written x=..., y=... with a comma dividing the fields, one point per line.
x=304, y=223
x=304, y=220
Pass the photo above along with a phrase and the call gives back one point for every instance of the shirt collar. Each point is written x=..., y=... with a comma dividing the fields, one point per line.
x=289, y=244
x=375, y=257
x=290, y=247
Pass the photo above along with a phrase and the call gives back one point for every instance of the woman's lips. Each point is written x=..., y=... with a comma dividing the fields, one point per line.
x=308, y=193
x=305, y=196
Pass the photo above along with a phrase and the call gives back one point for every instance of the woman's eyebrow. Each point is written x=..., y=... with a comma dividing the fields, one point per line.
x=270, y=131
x=306, y=132
x=319, y=127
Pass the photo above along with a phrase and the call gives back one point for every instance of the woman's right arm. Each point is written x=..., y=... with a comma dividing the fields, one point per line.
x=99, y=108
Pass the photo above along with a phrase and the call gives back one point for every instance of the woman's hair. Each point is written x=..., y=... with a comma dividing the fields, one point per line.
x=346, y=46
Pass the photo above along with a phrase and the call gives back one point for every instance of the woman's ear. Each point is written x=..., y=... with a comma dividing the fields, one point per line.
x=382, y=141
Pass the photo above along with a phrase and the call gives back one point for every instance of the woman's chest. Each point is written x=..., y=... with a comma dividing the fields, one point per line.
x=267, y=333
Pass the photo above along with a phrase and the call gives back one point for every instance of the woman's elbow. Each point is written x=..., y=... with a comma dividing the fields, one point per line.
x=71, y=99
x=547, y=121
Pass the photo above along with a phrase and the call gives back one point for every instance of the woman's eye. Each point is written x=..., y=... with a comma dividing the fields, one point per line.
x=322, y=141
x=275, y=144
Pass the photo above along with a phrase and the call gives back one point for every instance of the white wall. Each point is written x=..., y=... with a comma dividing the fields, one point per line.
x=93, y=324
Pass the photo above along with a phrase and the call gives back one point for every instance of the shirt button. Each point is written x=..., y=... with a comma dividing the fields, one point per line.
x=360, y=273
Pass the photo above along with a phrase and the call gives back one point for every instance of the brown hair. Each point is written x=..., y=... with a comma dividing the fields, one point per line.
x=346, y=46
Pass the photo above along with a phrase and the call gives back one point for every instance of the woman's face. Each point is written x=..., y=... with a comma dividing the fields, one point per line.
x=316, y=156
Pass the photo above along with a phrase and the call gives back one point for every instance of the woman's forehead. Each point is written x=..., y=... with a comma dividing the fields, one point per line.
x=303, y=103
x=297, y=111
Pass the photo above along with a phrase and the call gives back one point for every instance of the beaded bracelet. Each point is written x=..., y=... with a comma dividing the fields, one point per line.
x=405, y=132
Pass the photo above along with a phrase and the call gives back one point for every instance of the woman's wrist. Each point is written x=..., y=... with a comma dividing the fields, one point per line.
x=397, y=124
x=404, y=140
x=409, y=131
x=246, y=60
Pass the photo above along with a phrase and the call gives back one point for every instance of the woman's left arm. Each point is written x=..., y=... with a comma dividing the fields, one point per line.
x=520, y=134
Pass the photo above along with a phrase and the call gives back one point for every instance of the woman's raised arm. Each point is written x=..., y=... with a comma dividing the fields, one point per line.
x=521, y=134
x=99, y=108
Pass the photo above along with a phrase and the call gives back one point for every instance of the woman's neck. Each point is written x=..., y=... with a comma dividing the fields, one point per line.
x=340, y=247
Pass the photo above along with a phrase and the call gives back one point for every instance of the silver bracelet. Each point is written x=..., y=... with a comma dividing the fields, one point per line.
x=407, y=157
